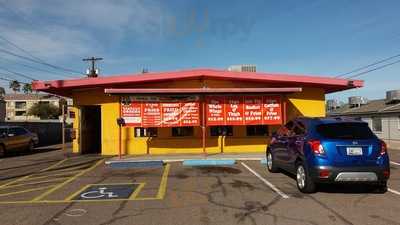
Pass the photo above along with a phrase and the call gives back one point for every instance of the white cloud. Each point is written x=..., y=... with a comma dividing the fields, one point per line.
x=62, y=29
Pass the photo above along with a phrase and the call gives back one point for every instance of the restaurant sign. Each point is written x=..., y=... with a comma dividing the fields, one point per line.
x=243, y=110
x=161, y=112
x=220, y=110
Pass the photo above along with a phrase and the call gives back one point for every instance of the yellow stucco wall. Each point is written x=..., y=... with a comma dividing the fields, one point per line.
x=310, y=102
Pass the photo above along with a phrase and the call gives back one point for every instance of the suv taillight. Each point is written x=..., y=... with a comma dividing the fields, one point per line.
x=316, y=147
x=383, y=148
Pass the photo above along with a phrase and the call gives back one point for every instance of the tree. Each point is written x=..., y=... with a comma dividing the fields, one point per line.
x=15, y=86
x=44, y=111
x=27, y=88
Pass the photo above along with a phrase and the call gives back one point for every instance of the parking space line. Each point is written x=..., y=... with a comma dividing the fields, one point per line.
x=25, y=191
x=70, y=197
x=137, y=191
x=394, y=191
x=50, y=175
x=26, y=177
x=55, y=188
x=270, y=185
x=32, y=183
x=163, y=184
x=395, y=163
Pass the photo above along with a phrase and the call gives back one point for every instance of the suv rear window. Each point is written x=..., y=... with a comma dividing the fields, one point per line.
x=345, y=131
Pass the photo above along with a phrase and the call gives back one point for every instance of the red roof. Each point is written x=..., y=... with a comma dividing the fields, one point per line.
x=329, y=84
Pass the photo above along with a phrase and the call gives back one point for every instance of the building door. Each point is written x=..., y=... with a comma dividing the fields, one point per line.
x=90, y=130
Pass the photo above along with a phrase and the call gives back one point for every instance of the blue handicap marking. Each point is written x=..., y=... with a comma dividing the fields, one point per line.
x=107, y=191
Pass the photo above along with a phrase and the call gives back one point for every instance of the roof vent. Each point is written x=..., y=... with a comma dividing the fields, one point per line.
x=357, y=101
x=392, y=96
x=243, y=68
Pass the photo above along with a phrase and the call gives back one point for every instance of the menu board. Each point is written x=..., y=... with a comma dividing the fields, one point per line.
x=215, y=111
x=161, y=114
x=243, y=110
x=220, y=110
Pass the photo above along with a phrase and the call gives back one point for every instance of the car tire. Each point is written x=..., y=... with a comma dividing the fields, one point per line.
x=305, y=184
x=2, y=151
x=381, y=188
x=31, y=147
x=271, y=166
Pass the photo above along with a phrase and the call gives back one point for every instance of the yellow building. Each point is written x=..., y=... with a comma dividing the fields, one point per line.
x=99, y=102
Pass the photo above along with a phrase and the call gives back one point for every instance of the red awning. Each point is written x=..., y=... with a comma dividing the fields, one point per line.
x=199, y=90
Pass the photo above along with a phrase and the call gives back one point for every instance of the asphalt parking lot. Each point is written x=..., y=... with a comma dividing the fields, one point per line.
x=52, y=188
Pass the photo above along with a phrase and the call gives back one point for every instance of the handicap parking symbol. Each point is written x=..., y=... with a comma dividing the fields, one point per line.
x=107, y=191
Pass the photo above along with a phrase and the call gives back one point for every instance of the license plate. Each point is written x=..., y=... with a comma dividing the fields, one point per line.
x=354, y=151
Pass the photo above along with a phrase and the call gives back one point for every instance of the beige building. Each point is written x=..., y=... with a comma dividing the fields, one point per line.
x=18, y=105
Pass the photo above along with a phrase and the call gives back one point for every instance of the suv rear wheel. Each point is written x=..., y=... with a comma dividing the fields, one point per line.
x=304, y=182
x=271, y=164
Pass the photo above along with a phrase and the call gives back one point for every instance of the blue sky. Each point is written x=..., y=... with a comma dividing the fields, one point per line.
x=316, y=37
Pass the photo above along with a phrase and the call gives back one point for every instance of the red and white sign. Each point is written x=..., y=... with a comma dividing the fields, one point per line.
x=253, y=110
x=243, y=110
x=220, y=110
x=161, y=114
x=215, y=110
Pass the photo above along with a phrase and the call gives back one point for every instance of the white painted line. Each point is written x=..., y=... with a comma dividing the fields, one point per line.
x=394, y=191
x=273, y=187
x=75, y=212
x=395, y=163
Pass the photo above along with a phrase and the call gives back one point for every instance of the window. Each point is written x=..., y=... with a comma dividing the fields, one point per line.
x=299, y=129
x=3, y=132
x=20, y=131
x=20, y=113
x=257, y=130
x=182, y=131
x=345, y=131
x=221, y=131
x=20, y=105
x=145, y=132
x=12, y=132
x=377, y=124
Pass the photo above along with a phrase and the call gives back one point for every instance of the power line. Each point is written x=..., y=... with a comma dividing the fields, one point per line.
x=32, y=67
x=369, y=65
x=374, y=69
x=40, y=62
x=18, y=74
x=19, y=48
x=6, y=79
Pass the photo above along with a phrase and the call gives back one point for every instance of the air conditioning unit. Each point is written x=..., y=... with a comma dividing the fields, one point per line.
x=392, y=96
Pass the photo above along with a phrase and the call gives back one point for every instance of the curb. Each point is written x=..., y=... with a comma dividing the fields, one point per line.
x=209, y=162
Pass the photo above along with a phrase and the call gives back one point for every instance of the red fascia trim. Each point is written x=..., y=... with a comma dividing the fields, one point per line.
x=198, y=90
x=332, y=83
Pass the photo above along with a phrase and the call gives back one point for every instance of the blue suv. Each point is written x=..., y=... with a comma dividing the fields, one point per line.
x=329, y=150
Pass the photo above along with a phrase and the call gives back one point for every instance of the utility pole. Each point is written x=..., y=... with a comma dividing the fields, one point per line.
x=92, y=71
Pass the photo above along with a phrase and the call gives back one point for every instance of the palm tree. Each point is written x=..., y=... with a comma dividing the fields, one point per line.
x=27, y=88
x=15, y=86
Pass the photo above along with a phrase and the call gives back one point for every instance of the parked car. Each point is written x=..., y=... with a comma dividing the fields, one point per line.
x=329, y=150
x=14, y=138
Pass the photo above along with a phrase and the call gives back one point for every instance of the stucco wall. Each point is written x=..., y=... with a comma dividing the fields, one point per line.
x=390, y=129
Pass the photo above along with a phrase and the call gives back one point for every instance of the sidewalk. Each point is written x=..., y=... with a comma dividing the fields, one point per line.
x=185, y=157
